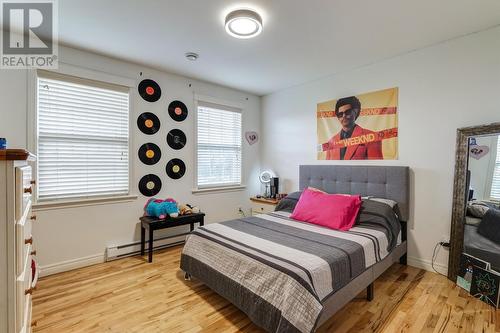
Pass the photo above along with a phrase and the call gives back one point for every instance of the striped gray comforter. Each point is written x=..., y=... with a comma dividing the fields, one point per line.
x=278, y=270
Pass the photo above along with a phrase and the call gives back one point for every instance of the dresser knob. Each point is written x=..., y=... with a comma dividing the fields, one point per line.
x=33, y=253
x=33, y=217
x=33, y=182
x=34, y=323
x=28, y=190
x=28, y=241
x=29, y=291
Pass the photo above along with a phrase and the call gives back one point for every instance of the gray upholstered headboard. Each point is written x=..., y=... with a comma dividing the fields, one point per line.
x=390, y=182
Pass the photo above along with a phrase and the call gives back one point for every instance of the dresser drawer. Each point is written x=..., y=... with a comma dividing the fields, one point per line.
x=24, y=189
x=262, y=208
x=23, y=289
x=23, y=238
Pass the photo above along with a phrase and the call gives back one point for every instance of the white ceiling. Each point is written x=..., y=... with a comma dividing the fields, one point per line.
x=302, y=40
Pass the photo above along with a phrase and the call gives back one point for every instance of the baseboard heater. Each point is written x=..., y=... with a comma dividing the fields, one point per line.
x=127, y=250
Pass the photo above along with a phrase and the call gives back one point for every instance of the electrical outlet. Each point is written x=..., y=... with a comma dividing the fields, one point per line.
x=445, y=241
x=241, y=212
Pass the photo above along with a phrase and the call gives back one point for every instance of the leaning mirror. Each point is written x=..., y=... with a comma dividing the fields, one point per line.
x=475, y=225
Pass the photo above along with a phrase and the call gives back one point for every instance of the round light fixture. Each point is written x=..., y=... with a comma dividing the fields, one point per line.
x=243, y=23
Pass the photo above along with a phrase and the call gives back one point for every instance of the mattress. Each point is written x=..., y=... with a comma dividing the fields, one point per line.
x=280, y=271
x=481, y=247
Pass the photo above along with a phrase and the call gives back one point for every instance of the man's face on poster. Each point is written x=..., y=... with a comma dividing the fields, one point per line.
x=347, y=116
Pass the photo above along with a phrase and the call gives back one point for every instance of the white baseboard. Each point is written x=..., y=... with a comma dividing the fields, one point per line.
x=68, y=265
x=426, y=264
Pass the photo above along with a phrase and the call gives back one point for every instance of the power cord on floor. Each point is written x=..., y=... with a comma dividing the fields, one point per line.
x=435, y=252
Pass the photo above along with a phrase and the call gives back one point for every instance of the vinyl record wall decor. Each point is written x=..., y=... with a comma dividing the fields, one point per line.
x=176, y=139
x=149, y=153
x=150, y=185
x=149, y=90
x=176, y=168
x=178, y=111
x=148, y=123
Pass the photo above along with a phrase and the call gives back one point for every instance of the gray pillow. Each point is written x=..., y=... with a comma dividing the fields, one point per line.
x=490, y=225
x=477, y=209
x=289, y=202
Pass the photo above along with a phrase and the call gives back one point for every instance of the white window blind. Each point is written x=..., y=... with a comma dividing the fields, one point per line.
x=495, y=183
x=218, y=146
x=83, y=130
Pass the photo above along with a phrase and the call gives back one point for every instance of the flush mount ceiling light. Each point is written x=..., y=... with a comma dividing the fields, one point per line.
x=243, y=23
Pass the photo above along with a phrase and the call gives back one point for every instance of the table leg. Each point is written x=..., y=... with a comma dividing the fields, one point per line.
x=143, y=239
x=150, y=254
x=202, y=222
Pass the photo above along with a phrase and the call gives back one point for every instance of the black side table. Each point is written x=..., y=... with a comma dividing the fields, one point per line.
x=154, y=223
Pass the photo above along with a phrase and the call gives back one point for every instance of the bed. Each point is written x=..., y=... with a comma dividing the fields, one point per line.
x=290, y=276
x=481, y=247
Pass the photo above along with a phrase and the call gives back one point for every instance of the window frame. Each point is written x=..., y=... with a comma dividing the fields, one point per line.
x=223, y=105
x=73, y=73
x=491, y=169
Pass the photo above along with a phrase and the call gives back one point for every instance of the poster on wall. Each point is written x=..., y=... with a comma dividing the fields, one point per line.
x=361, y=127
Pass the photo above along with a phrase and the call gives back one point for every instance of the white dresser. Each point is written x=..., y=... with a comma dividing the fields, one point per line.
x=263, y=205
x=16, y=241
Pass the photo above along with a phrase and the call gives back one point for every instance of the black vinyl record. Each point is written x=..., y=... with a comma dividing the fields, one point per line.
x=148, y=123
x=149, y=90
x=150, y=185
x=177, y=110
x=176, y=168
x=176, y=139
x=149, y=153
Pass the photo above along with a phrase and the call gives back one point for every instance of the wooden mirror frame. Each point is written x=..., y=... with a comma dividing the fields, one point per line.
x=459, y=184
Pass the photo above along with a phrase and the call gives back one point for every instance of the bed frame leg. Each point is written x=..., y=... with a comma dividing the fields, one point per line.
x=403, y=259
x=369, y=292
x=187, y=276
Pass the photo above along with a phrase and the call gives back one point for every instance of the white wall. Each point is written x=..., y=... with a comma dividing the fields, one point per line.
x=63, y=236
x=441, y=88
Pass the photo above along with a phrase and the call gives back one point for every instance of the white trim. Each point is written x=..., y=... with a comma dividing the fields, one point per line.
x=427, y=265
x=491, y=168
x=218, y=189
x=94, y=75
x=68, y=265
x=32, y=129
x=220, y=102
x=62, y=204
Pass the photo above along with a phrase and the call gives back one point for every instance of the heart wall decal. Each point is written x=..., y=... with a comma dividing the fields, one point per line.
x=478, y=152
x=252, y=137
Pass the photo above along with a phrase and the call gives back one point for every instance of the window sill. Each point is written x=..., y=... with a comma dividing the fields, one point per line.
x=218, y=189
x=51, y=205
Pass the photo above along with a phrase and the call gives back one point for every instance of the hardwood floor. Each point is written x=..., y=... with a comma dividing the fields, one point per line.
x=130, y=295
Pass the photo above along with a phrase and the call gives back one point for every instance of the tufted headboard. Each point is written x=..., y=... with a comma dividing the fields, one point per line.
x=390, y=182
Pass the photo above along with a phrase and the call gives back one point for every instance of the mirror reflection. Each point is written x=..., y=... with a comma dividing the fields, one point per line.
x=482, y=220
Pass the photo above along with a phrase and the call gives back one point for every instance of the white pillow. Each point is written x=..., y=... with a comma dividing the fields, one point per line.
x=388, y=202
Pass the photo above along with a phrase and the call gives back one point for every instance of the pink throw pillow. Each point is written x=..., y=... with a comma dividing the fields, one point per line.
x=335, y=211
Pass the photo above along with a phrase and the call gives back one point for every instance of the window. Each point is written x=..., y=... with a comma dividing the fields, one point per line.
x=82, y=138
x=495, y=183
x=218, y=146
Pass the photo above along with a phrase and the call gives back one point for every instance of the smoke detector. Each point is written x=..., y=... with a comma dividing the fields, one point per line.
x=191, y=56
